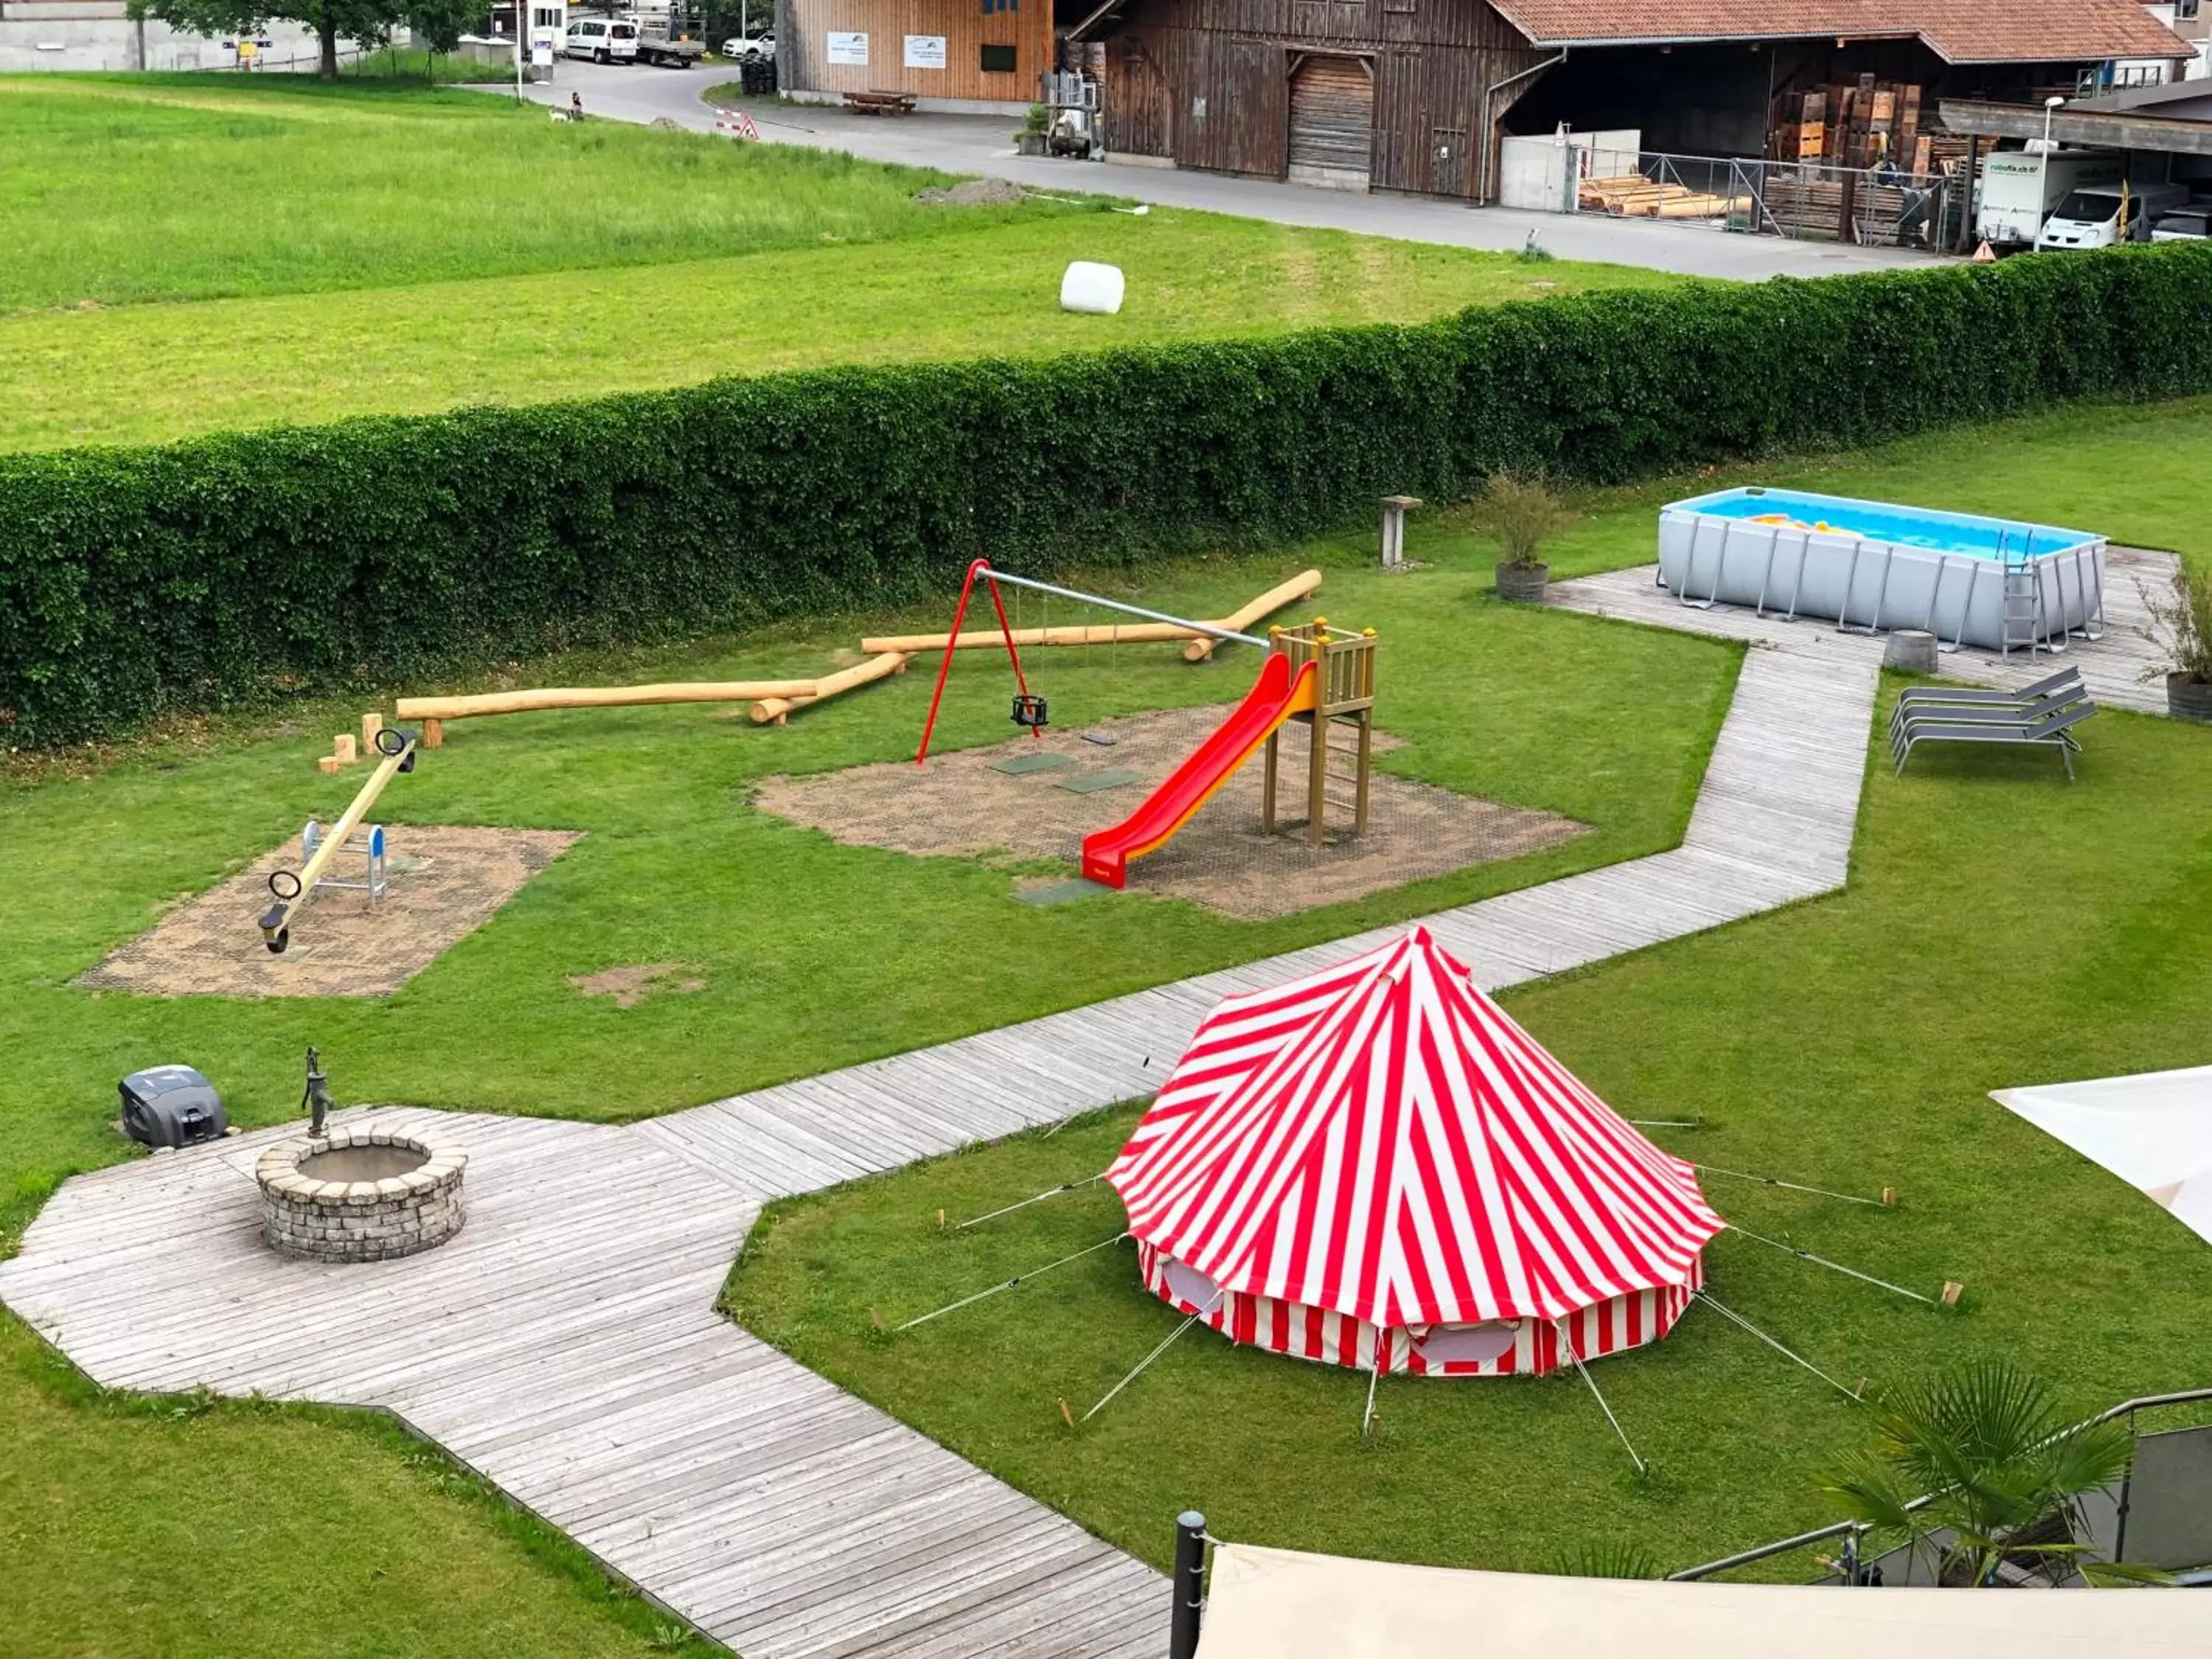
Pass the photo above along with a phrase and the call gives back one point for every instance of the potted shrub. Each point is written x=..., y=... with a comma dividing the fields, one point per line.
x=1521, y=512
x=1981, y=1473
x=2181, y=627
x=1030, y=141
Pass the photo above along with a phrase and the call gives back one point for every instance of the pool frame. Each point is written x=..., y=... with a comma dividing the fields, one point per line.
x=1868, y=585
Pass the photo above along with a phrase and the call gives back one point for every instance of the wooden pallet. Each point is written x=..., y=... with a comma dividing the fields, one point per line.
x=880, y=103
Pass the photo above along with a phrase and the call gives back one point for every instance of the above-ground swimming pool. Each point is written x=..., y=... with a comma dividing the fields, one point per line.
x=1869, y=565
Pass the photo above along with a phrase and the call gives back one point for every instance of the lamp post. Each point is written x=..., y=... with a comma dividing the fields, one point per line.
x=2050, y=108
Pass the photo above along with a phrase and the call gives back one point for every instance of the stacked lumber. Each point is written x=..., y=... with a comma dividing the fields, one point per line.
x=1849, y=208
x=1632, y=196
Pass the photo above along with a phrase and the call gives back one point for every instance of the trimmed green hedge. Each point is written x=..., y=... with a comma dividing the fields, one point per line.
x=226, y=570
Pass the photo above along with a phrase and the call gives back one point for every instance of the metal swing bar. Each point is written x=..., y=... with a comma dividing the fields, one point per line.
x=1035, y=586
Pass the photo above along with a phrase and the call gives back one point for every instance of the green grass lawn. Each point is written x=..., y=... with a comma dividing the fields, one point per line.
x=147, y=373
x=127, y=190
x=178, y=241
x=2000, y=929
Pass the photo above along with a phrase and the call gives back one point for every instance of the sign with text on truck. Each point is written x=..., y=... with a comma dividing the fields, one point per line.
x=2018, y=189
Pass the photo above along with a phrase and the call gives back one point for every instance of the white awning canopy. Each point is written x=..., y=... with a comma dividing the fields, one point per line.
x=2152, y=1130
x=1285, y=1604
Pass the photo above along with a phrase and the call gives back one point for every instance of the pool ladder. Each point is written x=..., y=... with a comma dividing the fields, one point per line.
x=2023, y=611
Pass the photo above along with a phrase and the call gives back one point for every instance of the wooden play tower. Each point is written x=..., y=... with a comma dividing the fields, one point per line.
x=1344, y=697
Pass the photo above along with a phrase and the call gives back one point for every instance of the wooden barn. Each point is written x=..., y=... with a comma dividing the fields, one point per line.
x=974, y=54
x=1415, y=95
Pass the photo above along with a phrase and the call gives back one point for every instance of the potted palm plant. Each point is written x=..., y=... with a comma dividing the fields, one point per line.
x=1982, y=1474
x=2181, y=627
x=1521, y=512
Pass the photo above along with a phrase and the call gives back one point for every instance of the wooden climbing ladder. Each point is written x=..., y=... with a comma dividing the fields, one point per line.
x=1344, y=698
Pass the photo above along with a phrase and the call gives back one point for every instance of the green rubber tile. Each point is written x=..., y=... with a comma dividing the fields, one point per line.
x=1091, y=783
x=1063, y=892
x=1043, y=761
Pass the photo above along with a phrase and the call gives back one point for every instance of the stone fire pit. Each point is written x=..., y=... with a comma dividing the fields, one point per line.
x=360, y=1194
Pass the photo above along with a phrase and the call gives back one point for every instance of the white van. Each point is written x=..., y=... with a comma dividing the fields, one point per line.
x=2100, y=215
x=602, y=39
x=2018, y=189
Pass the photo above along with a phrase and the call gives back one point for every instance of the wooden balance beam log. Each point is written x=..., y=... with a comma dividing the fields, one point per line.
x=1196, y=649
x=1304, y=584
x=598, y=696
x=879, y=666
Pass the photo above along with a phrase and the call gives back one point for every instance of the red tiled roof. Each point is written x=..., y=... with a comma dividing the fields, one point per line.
x=1958, y=31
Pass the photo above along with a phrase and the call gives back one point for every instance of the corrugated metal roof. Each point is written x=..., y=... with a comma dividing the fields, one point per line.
x=1958, y=31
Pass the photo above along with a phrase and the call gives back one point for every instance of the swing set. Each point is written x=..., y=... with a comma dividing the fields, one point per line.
x=1030, y=711
x=1311, y=674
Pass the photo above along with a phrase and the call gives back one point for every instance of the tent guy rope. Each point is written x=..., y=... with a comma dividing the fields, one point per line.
x=1144, y=1365
x=1567, y=1341
x=1837, y=1266
x=1008, y=1209
x=1736, y=1318
x=1007, y=1284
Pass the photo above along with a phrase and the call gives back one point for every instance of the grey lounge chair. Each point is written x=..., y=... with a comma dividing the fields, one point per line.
x=1915, y=696
x=2059, y=691
x=2051, y=729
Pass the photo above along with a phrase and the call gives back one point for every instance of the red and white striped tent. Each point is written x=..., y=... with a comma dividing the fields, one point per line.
x=1374, y=1166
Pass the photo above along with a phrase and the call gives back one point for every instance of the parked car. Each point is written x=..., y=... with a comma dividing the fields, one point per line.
x=2192, y=224
x=602, y=39
x=759, y=48
x=2105, y=215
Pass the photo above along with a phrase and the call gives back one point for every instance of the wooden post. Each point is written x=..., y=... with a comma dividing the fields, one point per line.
x=1317, y=769
x=1267, y=783
x=433, y=734
x=342, y=750
x=371, y=724
x=1967, y=195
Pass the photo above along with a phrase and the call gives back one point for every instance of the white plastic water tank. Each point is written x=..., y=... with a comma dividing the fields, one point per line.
x=1092, y=287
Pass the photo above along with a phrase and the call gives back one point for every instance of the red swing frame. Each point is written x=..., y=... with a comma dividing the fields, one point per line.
x=977, y=568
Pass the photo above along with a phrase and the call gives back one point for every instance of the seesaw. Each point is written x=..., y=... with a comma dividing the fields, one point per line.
x=292, y=891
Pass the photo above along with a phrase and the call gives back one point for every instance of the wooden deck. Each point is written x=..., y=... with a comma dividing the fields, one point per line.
x=2113, y=667
x=566, y=1344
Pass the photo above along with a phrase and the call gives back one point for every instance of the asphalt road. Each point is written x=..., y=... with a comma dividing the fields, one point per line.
x=984, y=144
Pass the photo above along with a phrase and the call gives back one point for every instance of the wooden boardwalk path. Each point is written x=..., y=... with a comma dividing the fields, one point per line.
x=566, y=1344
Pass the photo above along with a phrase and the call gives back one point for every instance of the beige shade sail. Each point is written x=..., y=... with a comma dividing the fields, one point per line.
x=1280, y=1604
x=2154, y=1130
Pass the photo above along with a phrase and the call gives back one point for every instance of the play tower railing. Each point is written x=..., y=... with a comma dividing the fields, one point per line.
x=1345, y=697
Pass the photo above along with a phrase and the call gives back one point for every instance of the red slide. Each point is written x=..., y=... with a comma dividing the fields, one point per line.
x=1275, y=699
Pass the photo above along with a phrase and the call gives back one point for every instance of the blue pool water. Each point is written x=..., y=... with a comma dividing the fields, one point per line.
x=1961, y=533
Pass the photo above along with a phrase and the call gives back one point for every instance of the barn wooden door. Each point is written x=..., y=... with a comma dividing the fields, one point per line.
x=1332, y=122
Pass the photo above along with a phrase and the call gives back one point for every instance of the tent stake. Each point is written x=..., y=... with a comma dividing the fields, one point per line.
x=969, y=1301
x=1738, y=1319
x=1374, y=1376
x=1838, y=1266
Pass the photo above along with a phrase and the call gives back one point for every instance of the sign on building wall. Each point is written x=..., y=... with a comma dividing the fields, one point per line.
x=925, y=52
x=852, y=49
